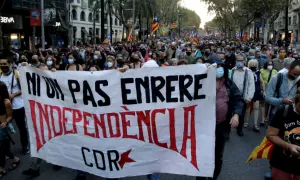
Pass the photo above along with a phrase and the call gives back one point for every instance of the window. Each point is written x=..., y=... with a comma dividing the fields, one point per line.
x=105, y=20
x=97, y=17
x=82, y=16
x=74, y=14
x=120, y=24
x=290, y=21
x=91, y=2
x=97, y=31
x=78, y=1
x=83, y=32
x=116, y=21
x=90, y=17
x=91, y=32
x=116, y=32
x=295, y=20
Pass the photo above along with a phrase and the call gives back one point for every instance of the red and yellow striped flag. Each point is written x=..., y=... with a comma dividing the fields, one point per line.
x=263, y=151
x=130, y=38
x=195, y=39
x=155, y=24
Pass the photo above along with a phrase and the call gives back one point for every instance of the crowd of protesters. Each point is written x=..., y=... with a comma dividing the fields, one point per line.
x=246, y=78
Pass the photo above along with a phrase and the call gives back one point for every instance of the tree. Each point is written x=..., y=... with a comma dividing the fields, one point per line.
x=1, y=36
x=65, y=23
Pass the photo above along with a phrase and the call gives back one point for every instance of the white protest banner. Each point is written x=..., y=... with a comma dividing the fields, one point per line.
x=113, y=124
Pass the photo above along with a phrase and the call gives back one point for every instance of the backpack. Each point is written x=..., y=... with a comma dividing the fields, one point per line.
x=278, y=84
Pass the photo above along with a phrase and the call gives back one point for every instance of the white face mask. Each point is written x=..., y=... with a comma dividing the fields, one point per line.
x=71, y=61
x=49, y=63
x=109, y=64
x=270, y=67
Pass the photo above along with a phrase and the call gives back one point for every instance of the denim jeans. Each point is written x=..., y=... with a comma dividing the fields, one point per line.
x=153, y=177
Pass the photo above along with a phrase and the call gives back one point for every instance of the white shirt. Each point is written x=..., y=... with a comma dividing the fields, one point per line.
x=17, y=102
x=284, y=70
x=238, y=79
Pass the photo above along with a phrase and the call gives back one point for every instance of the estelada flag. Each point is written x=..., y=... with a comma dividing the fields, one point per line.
x=130, y=38
x=263, y=151
x=155, y=24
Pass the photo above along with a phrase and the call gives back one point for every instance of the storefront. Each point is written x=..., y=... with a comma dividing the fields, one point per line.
x=12, y=29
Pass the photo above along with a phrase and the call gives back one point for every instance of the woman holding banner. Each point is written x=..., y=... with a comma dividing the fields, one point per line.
x=5, y=139
x=229, y=105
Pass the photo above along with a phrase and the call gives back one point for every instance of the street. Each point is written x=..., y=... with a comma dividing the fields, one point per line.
x=237, y=151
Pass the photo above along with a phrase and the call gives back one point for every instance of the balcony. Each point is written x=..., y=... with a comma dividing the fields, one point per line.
x=75, y=3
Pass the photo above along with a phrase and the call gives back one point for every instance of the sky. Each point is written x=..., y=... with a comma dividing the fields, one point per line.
x=200, y=8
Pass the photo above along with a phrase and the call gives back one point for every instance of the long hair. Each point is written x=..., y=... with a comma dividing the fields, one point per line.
x=3, y=91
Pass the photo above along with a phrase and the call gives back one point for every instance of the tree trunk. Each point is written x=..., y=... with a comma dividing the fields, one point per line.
x=102, y=21
x=1, y=35
x=94, y=26
x=110, y=20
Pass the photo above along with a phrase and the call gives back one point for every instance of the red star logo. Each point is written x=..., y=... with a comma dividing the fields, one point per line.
x=125, y=159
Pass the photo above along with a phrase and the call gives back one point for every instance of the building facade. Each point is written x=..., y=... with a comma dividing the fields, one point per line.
x=293, y=22
x=82, y=21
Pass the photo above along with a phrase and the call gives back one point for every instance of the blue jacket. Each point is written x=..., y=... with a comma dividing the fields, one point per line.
x=284, y=91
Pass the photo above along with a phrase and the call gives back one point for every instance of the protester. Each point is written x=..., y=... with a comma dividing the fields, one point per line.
x=6, y=114
x=266, y=73
x=242, y=77
x=11, y=78
x=258, y=94
x=284, y=133
x=229, y=107
x=278, y=62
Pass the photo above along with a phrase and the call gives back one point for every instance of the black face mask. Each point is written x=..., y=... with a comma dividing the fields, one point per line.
x=162, y=60
x=253, y=68
x=188, y=53
x=206, y=53
x=5, y=69
x=33, y=61
x=135, y=59
x=291, y=77
x=23, y=60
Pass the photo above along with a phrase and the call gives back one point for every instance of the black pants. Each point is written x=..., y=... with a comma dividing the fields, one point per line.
x=221, y=134
x=5, y=151
x=19, y=117
x=242, y=118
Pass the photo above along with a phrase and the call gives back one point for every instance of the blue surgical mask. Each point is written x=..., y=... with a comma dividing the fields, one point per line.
x=239, y=64
x=49, y=63
x=220, y=72
x=95, y=57
x=71, y=61
x=109, y=64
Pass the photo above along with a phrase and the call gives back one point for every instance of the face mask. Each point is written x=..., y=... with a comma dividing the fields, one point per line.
x=251, y=57
x=71, y=61
x=239, y=64
x=49, y=63
x=188, y=53
x=282, y=55
x=253, y=68
x=292, y=77
x=95, y=57
x=109, y=64
x=135, y=59
x=34, y=61
x=220, y=72
x=198, y=63
x=206, y=53
x=270, y=67
x=264, y=56
x=5, y=69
